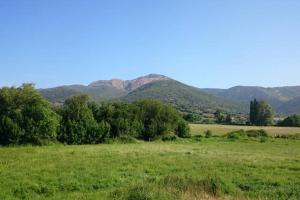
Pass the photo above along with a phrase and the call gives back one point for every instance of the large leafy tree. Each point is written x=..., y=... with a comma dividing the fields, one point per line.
x=159, y=119
x=261, y=113
x=26, y=117
x=78, y=125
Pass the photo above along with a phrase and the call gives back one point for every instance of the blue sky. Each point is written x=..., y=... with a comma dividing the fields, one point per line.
x=210, y=43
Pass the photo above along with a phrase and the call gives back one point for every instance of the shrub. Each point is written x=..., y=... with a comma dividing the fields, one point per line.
x=263, y=139
x=183, y=129
x=236, y=134
x=124, y=139
x=78, y=125
x=257, y=133
x=159, y=119
x=168, y=138
x=289, y=136
x=98, y=133
x=208, y=134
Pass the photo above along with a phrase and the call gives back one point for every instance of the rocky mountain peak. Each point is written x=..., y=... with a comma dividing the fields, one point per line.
x=129, y=85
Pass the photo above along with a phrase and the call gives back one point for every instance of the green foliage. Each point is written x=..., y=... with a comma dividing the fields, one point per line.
x=249, y=133
x=291, y=121
x=159, y=119
x=257, y=133
x=208, y=134
x=183, y=129
x=235, y=135
x=25, y=117
x=183, y=97
x=190, y=117
x=220, y=117
x=85, y=123
x=228, y=119
x=289, y=136
x=168, y=138
x=78, y=125
x=228, y=170
x=261, y=113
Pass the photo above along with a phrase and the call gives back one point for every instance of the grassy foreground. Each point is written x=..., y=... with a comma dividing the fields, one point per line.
x=199, y=168
x=223, y=129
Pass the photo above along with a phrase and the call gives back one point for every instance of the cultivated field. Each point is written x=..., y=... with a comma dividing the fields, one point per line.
x=223, y=129
x=197, y=168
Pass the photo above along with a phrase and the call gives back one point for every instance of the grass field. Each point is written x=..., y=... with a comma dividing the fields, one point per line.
x=223, y=129
x=198, y=168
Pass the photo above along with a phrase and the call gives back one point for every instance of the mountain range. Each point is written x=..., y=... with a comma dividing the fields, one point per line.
x=284, y=100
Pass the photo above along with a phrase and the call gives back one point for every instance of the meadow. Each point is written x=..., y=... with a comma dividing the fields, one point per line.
x=195, y=168
x=218, y=129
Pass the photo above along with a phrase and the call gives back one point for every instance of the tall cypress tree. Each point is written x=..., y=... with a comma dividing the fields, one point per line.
x=253, y=111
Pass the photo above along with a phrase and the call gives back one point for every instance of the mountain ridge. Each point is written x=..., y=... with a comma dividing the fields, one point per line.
x=282, y=99
x=129, y=85
x=235, y=99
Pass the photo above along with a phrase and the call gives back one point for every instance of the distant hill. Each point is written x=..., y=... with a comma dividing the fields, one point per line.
x=183, y=97
x=99, y=90
x=284, y=100
x=100, y=93
x=129, y=85
x=291, y=106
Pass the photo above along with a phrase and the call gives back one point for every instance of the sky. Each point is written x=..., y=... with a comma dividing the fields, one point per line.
x=204, y=43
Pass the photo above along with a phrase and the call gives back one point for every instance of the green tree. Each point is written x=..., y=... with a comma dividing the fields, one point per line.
x=261, y=113
x=253, y=111
x=182, y=130
x=220, y=117
x=78, y=125
x=228, y=119
x=26, y=117
x=292, y=121
x=159, y=119
x=190, y=117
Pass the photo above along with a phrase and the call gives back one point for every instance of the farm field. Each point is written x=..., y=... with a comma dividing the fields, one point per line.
x=224, y=129
x=196, y=168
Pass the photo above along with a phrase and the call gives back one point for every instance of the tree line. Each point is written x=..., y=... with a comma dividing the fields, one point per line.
x=261, y=114
x=27, y=118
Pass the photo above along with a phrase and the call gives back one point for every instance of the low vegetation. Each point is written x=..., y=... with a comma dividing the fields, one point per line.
x=291, y=121
x=214, y=162
x=220, y=130
x=194, y=168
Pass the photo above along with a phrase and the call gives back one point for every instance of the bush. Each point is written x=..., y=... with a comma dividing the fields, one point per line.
x=208, y=134
x=257, y=133
x=78, y=125
x=98, y=133
x=124, y=139
x=183, y=129
x=289, y=136
x=236, y=134
x=26, y=117
x=263, y=139
x=159, y=119
x=243, y=134
x=168, y=138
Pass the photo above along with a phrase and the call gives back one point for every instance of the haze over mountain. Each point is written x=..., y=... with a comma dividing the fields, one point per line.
x=285, y=100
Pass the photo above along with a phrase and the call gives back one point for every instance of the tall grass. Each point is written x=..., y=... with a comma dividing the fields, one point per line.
x=209, y=168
